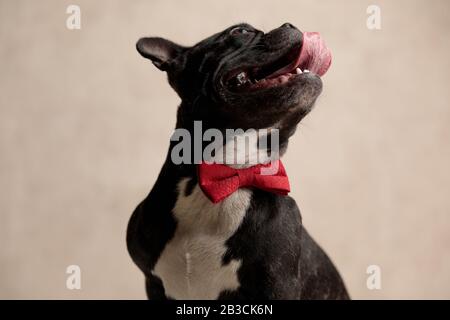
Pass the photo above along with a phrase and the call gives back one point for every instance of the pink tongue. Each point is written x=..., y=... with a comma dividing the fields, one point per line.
x=314, y=56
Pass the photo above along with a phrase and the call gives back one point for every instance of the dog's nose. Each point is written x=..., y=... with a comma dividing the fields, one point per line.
x=287, y=25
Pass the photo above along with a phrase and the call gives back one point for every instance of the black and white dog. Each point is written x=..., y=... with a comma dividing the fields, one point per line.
x=251, y=245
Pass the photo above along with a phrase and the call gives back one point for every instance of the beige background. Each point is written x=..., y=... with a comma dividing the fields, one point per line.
x=85, y=123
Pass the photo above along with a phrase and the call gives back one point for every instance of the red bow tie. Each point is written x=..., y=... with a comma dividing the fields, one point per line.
x=218, y=181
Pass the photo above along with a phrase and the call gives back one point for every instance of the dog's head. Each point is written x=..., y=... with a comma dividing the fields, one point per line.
x=243, y=77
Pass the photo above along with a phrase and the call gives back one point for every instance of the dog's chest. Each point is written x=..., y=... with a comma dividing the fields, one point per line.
x=190, y=265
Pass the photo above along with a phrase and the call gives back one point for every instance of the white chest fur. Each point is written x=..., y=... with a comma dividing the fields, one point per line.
x=190, y=265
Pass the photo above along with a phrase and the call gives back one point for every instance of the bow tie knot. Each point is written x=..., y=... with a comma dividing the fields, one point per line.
x=246, y=177
x=218, y=181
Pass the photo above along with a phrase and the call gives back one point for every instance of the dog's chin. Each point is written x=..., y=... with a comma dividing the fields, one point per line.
x=281, y=102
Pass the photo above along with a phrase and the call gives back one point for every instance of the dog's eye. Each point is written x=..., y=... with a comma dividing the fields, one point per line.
x=238, y=30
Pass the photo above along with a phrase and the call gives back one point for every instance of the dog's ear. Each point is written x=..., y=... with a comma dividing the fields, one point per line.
x=160, y=51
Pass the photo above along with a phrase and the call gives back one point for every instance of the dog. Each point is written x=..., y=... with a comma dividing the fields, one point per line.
x=249, y=243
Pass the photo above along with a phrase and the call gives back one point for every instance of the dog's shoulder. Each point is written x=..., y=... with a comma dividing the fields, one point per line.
x=268, y=243
x=271, y=220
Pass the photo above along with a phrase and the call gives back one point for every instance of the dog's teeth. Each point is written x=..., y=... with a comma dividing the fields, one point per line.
x=242, y=78
x=306, y=70
x=298, y=71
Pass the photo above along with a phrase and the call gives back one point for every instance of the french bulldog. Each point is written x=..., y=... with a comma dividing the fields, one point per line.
x=251, y=244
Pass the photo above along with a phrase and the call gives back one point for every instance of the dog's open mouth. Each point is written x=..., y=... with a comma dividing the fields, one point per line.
x=313, y=56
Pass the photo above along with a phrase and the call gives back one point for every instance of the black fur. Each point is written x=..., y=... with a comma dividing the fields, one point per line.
x=279, y=258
